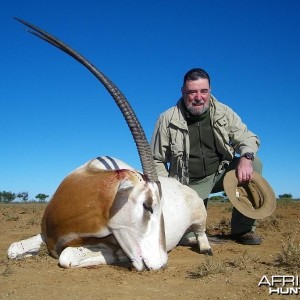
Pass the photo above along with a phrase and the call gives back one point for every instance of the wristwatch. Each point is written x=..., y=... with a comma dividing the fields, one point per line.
x=249, y=155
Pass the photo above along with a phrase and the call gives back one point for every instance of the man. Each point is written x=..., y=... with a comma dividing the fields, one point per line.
x=199, y=140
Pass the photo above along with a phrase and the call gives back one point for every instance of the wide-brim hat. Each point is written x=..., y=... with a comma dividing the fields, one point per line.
x=254, y=199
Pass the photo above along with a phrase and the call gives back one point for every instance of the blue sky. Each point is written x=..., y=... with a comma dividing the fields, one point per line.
x=55, y=115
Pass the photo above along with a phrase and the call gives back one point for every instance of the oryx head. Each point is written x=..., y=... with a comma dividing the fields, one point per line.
x=137, y=223
x=139, y=196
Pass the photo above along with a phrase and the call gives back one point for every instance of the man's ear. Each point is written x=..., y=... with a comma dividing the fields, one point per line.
x=182, y=91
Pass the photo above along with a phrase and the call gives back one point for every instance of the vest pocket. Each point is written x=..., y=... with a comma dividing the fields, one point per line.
x=176, y=150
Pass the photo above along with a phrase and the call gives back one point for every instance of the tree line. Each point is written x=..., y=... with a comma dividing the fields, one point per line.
x=9, y=197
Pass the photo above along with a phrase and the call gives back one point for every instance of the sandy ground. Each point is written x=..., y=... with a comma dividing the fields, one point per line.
x=232, y=273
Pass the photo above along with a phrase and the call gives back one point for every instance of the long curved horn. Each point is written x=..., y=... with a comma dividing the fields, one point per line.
x=128, y=113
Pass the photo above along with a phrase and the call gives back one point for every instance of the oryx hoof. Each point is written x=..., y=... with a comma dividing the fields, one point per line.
x=207, y=252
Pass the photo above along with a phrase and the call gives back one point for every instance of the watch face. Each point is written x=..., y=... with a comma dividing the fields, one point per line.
x=249, y=155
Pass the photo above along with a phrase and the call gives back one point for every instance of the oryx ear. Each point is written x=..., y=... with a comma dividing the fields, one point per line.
x=125, y=185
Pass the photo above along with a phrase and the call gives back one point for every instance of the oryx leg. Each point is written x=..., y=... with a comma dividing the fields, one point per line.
x=25, y=248
x=199, y=228
x=203, y=243
x=102, y=253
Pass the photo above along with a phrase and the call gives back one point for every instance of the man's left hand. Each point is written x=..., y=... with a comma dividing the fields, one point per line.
x=244, y=170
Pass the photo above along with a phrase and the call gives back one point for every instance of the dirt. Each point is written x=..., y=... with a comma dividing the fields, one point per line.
x=233, y=272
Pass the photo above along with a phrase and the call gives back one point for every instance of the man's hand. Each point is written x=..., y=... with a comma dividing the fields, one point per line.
x=244, y=170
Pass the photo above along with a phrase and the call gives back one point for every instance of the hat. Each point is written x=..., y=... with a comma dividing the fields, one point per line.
x=254, y=199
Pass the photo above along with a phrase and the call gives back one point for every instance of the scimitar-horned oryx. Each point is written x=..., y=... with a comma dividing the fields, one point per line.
x=101, y=216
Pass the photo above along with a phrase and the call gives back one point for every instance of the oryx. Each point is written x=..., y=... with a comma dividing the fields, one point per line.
x=105, y=212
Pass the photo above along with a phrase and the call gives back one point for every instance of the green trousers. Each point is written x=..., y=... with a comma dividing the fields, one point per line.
x=214, y=184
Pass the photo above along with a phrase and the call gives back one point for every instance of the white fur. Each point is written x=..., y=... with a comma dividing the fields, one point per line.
x=25, y=248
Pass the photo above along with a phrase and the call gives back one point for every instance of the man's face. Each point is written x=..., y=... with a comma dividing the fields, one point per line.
x=196, y=96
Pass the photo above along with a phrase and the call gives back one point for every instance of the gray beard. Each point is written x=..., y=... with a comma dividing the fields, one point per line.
x=194, y=111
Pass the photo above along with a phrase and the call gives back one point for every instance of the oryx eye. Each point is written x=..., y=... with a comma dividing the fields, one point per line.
x=148, y=208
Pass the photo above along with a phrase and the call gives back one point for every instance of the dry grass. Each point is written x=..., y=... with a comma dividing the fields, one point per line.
x=33, y=221
x=210, y=266
x=9, y=217
x=269, y=223
x=289, y=256
x=241, y=262
x=222, y=227
x=232, y=273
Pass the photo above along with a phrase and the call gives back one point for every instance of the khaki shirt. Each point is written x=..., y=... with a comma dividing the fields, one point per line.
x=170, y=142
